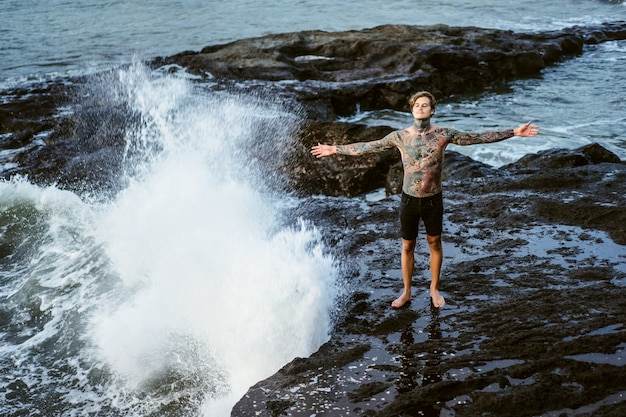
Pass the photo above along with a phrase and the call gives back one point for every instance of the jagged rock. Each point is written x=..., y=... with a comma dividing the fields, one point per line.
x=563, y=158
x=379, y=68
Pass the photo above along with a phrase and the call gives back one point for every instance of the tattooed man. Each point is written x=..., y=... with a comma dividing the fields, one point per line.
x=422, y=148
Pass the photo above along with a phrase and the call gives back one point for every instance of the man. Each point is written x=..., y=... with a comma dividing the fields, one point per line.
x=422, y=147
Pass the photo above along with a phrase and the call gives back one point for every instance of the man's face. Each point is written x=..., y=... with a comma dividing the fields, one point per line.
x=422, y=109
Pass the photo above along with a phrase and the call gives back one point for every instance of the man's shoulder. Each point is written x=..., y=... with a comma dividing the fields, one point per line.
x=445, y=131
x=396, y=134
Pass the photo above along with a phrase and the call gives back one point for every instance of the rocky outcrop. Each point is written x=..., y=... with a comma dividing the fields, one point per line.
x=561, y=158
x=333, y=73
x=340, y=175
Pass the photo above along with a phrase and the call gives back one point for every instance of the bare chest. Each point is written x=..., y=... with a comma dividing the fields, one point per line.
x=423, y=146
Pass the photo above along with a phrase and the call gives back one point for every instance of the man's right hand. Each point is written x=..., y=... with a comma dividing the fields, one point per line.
x=320, y=151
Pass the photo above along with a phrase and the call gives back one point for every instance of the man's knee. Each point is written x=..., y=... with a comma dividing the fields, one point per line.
x=434, y=242
x=408, y=245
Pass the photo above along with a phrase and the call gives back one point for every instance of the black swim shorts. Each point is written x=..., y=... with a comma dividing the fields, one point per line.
x=429, y=209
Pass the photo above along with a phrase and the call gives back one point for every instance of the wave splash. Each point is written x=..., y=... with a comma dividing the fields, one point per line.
x=189, y=285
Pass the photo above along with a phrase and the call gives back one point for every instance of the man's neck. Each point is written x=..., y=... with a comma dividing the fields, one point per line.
x=422, y=125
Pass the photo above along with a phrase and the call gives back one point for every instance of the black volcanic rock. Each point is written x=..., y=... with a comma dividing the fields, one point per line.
x=563, y=158
x=535, y=305
x=379, y=68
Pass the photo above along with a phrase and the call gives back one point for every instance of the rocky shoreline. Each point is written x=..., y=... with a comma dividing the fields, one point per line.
x=534, y=272
x=323, y=75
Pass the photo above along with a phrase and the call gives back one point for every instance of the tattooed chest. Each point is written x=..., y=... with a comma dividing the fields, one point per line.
x=427, y=148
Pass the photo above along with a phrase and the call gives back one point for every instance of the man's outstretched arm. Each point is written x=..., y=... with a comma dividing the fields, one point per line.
x=357, y=148
x=463, y=139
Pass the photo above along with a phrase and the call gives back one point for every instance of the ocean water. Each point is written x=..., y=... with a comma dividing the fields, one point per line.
x=195, y=281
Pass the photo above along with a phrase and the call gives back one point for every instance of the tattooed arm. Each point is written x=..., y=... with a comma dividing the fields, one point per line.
x=358, y=148
x=460, y=138
x=463, y=139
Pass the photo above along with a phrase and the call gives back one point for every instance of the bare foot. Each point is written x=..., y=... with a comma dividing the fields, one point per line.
x=437, y=299
x=400, y=301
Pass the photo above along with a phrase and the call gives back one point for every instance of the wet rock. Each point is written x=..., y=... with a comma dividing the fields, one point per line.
x=535, y=286
x=563, y=158
x=378, y=68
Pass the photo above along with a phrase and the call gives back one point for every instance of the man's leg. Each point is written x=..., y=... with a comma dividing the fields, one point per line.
x=407, y=260
x=436, y=259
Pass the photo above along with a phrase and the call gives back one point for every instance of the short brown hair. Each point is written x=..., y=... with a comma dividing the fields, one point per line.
x=431, y=98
